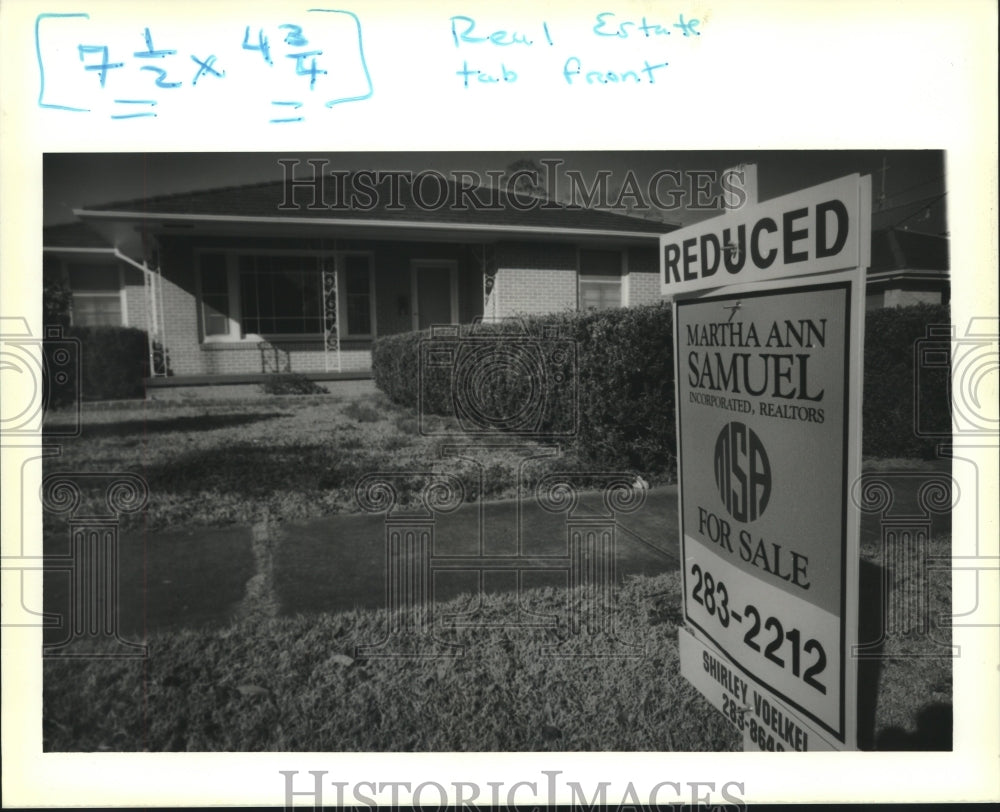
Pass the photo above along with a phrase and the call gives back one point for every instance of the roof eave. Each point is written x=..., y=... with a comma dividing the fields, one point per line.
x=471, y=229
x=69, y=249
x=908, y=274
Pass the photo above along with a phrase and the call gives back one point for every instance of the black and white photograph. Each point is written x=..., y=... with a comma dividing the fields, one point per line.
x=358, y=454
x=498, y=405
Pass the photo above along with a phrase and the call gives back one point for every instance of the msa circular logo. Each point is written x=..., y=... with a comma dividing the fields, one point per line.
x=742, y=472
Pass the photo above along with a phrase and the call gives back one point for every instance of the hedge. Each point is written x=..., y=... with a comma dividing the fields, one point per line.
x=603, y=380
x=503, y=361
x=622, y=407
x=112, y=364
x=892, y=426
x=394, y=366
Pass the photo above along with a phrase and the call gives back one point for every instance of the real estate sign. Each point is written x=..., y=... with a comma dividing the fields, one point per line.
x=768, y=425
x=814, y=231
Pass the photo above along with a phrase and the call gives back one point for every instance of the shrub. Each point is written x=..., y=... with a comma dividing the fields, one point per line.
x=890, y=429
x=291, y=383
x=113, y=363
x=624, y=383
x=57, y=301
x=627, y=390
x=606, y=394
x=61, y=367
x=394, y=366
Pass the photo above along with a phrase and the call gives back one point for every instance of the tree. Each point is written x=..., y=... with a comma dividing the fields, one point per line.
x=57, y=301
x=526, y=176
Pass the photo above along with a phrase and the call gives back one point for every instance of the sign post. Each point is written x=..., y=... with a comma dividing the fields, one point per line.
x=768, y=336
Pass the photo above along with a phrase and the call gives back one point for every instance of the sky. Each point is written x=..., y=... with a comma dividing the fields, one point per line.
x=73, y=180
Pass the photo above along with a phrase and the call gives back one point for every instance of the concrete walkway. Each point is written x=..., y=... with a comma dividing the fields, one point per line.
x=173, y=579
x=341, y=562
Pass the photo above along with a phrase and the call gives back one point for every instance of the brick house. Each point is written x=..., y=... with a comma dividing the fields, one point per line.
x=106, y=288
x=908, y=267
x=244, y=281
x=239, y=282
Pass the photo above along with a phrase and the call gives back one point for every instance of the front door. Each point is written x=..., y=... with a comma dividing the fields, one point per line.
x=435, y=293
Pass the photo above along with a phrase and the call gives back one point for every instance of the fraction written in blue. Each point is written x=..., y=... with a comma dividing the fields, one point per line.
x=104, y=73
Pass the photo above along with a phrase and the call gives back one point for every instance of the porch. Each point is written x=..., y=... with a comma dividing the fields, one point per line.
x=356, y=384
x=228, y=312
x=236, y=282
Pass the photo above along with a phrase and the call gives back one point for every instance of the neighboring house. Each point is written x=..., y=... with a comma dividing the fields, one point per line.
x=254, y=279
x=908, y=268
x=107, y=290
x=910, y=259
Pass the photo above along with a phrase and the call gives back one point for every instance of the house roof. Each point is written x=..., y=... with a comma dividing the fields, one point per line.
x=386, y=203
x=467, y=211
x=924, y=214
x=896, y=249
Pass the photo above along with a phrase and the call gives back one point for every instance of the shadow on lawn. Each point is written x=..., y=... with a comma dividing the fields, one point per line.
x=169, y=580
x=258, y=470
x=875, y=629
x=934, y=731
x=871, y=595
x=188, y=423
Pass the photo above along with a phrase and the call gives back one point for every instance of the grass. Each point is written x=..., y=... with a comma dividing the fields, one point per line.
x=277, y=458
x=295, y=683
x=222, y=677
x=362, y=412
x=909, y=680
x=283, y=458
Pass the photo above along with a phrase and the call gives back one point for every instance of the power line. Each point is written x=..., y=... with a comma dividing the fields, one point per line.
x=920, y=210
x=916, y=202
x=915, y=186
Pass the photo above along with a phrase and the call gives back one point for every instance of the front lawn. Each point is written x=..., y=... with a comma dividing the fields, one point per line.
x=295, y=682
x=232, y=668
x=280, y=457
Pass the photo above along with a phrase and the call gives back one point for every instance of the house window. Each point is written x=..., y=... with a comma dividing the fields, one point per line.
x=276, y=294
x=600, y=279
x=215, y=295
x=281, y=295
x=358, y=294
x=97, y=298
